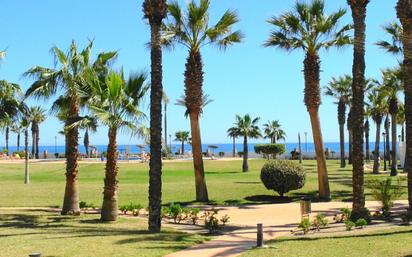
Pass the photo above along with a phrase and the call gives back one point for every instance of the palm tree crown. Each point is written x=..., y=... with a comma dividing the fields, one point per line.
x=395, y=45
x=273, y=131
x=247, y=126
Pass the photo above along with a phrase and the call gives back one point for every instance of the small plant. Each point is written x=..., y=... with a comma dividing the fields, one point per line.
x=320, y=221
x=225, y=219
x=349, y=225
x=85, y=205
x=131, y=207
x=211, y=221
x=175, y=210
x=386, y=193
x=282, y=176
x=194, y=215
x=164, y=212
x=343, y=216
x=305, y=225
x=124, y=209
x=221, y=154
x=361, y=223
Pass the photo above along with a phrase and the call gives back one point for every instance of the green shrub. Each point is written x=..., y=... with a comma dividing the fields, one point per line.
x=320, y=221
x=221, y=154
x=270, y=149
x=343, y=216
x=305, y=225
x=225, y=219
x=385, y=192
x=194, y=215
x=124, y=208
x=211, y=222
x=349, y=225
x=240, y=154
x=22, y=154
x=175, y=210
x=361, y=223
x=282, y=176
x=131, y=207
x=85, y=205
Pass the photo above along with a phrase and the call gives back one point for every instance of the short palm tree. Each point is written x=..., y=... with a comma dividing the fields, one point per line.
x=182, y=136
x=37, y=116
x=233, y=133
x=403, y=11
x=377, y=107
x=248, y=128
x=307, y=27
x=5, y=125
x=115, y=102
x=341, y=89
x=9, y=99
x=17, y=129
x=191, y=29
x=272, y=130
x=67, y=79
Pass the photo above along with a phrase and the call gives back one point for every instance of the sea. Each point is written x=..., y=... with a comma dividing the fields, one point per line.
x=215, y=148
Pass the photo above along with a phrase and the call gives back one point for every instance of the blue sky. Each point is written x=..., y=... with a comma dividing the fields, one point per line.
x=247, y=78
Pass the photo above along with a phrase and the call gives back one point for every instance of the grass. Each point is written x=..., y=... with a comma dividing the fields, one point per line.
x=227, y=184
x=23, y=232
x=387, y=243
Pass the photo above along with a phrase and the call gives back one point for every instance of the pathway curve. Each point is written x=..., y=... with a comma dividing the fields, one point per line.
x=277, y=219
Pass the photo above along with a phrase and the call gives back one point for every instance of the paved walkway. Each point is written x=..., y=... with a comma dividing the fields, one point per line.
x=277, y=219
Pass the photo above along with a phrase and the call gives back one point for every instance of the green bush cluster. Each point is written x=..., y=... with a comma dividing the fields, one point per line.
x=270, y=149
x=212, y=223
x=179, y=214
x=282, y=176
x=131, y=207
x=85, y=205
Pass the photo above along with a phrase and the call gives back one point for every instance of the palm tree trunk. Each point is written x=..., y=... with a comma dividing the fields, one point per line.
x=109, y=207
x=376, y=163
x=387, y=134
x=367, y=150
x=200, y=181
x=71, y=193
x=358, y=112
x=245, y=166
x=37, y=140
x=155, y=11
x=165, y=124
x=404, y=9
x=183, y=147
x=350, y=147
x=234, y=147
x=26, y=157
x=7, y=140
x=18, y=141
x=342, y=145
x=394, y=163
x=33, y=140
x=312, y=102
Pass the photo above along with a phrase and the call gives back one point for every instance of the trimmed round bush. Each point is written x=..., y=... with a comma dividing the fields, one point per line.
x=282, y=176
x=270, y=149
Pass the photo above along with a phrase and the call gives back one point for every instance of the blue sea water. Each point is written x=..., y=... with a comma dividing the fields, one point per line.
x=227, y=148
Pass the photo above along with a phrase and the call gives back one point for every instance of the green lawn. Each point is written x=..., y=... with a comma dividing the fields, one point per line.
x=24, y=232
x=226, y=183
x=387, y=243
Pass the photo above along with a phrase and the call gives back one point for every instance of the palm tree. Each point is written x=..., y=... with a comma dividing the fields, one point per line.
x=182, y=136
x=308, y=28
x=273, y=130
x=17, y=129
x=233, y=133
x=401, y=119
x=377, y=107
x=165, y=101
x=115, y=102
x=367, y=131
x=37, y=116
x=248, y=128
x=67, y=79
x=358, y=8
x=25, y=124
x=155, y=11
x=191, y=30
x=395, y=45
x=5, y=125
x=349, y=127
x=341, y=89
x=403, y=11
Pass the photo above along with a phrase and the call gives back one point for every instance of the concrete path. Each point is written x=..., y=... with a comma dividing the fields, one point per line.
x=277, y=219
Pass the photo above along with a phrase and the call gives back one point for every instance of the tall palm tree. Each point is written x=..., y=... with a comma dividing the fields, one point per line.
x=67, y=79
x=155, y=11
x=377, y=107
x=233, y=133
x=403, y=11
x=358, y=8
x=272, y=130
x=307, y=27
x=37, y=116
x=182, y=136
x=341, y=89
x=115, y=102
x=191, y=29
x=248, y=128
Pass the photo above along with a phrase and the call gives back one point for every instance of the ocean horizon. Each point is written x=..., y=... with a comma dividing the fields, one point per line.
x=225, y=147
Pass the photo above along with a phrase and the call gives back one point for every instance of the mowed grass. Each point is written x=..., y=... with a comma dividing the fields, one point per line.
x=227, y=184
x=27, y=231
x=388, y=243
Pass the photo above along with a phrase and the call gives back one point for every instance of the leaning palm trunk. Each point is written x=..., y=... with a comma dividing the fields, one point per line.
x=341, y=120
x=394, y=163
x=358, y=112
x=367, y=151
x=109, y=207
x=71, y=194
x=26, y=157
x=312, y=101
x=194, y=101
x=245, y=166
x=376, y=163
x=404, y=9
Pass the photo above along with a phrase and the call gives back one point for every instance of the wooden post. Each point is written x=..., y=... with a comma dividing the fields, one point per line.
x=259, y=235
